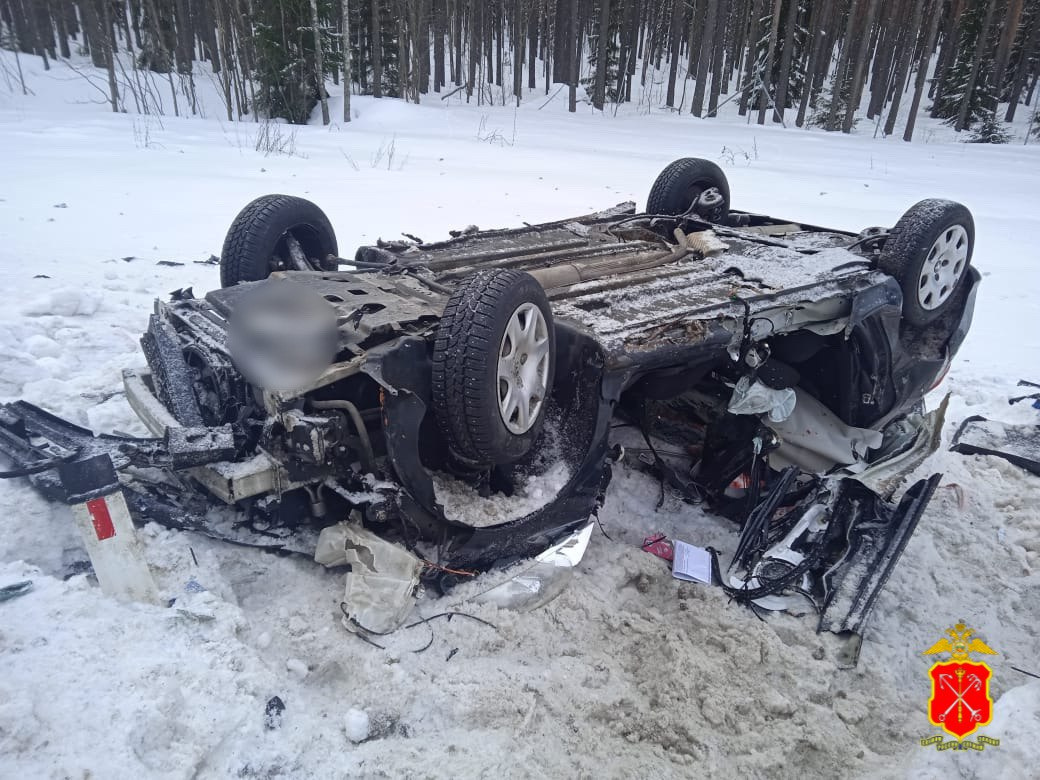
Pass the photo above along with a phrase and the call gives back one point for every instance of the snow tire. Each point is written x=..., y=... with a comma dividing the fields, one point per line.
x=928, y=252
x=681, y=183
x=256, y=238
x=467, y=356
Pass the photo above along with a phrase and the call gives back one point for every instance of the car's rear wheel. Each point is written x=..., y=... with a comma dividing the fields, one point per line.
x=258, y=241
x=928, y=252
x=690, y=182
x=493, y=364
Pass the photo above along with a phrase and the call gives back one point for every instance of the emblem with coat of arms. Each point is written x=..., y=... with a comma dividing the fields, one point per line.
x=960, y=702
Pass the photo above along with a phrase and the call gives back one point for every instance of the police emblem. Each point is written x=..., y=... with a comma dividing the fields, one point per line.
x=960, y=702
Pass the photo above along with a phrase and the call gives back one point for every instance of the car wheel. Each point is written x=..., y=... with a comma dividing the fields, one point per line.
x=493, y=363
x=683, y=183
x=257, y=241
x=928, y=252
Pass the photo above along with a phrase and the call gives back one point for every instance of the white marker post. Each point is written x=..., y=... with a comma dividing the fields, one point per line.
x=104, y=523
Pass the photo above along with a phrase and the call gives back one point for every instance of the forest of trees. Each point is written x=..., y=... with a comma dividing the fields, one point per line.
x=824, y=63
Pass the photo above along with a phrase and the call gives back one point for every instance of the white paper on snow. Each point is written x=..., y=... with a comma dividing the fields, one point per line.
x=691, y=563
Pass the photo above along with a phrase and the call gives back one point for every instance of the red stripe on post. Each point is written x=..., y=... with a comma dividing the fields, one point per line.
x=101, y=518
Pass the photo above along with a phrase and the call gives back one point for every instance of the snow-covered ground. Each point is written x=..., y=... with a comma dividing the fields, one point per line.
x=629, y=673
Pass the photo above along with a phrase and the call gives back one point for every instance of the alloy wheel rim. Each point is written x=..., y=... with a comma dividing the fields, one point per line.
x=943, y=267
x=523, y=368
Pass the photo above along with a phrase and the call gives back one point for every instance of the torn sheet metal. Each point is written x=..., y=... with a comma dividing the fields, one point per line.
x=885, y=476
x=870, y=539
x=381, y=586
x=1018, y=444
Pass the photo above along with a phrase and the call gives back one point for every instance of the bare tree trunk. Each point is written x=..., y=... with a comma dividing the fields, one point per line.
x=1007, y=37
x=947, y=53
x=747, y=88
x=458, y=42
x=183, y=47
x=60, y=20
x=532, y=46
x=225, y=43
x=439, y=25
x=891, y=36
x=767, y=71
x=376, y=42
x=347, y=69
x=829, y=24
x=153, y=12
x=574, y=57
x=518, y=52
x=673, y=55
x=319, y=64
x=110, y=64
x=600, y=84
x=208, y=28
x=786, y=56
x=496, y=28
x=841, y=71
x=903, y=66
x=922, y=69
x=858, y=70
x=474, y=49
x=718, y=70
x=704, y=56
x=403, y=65
x=563, y=42
x=94, y=32
x=1018, y=83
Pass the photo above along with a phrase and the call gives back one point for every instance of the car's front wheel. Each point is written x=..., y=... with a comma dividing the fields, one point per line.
x=493, y=363
x=928, y=252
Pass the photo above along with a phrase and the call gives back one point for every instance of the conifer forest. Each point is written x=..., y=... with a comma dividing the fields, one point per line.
x=832, y=64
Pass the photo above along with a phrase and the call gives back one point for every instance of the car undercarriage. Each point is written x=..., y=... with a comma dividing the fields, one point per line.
x=435, y=410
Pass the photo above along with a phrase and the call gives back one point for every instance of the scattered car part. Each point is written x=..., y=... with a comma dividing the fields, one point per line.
x=382, y=580
x=540, y=581
x=8, y=592
x=106, y=528
x=928, y=252
x=837, y=547
x=1034, y=397
x=1018, y=444
x=276, y=233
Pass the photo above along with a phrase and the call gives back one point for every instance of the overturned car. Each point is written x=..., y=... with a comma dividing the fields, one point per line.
x=443, y=408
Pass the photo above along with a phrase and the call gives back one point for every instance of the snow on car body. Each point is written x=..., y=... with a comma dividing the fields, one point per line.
x=491, y=365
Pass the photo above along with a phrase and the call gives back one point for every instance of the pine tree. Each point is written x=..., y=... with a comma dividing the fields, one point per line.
x=955, y=85
x=287, y=84
x=613, y=53
x=821, y=111
x=361, y=59
x=990, y=130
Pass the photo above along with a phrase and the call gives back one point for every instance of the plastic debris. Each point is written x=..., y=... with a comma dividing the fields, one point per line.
x=659, y=545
